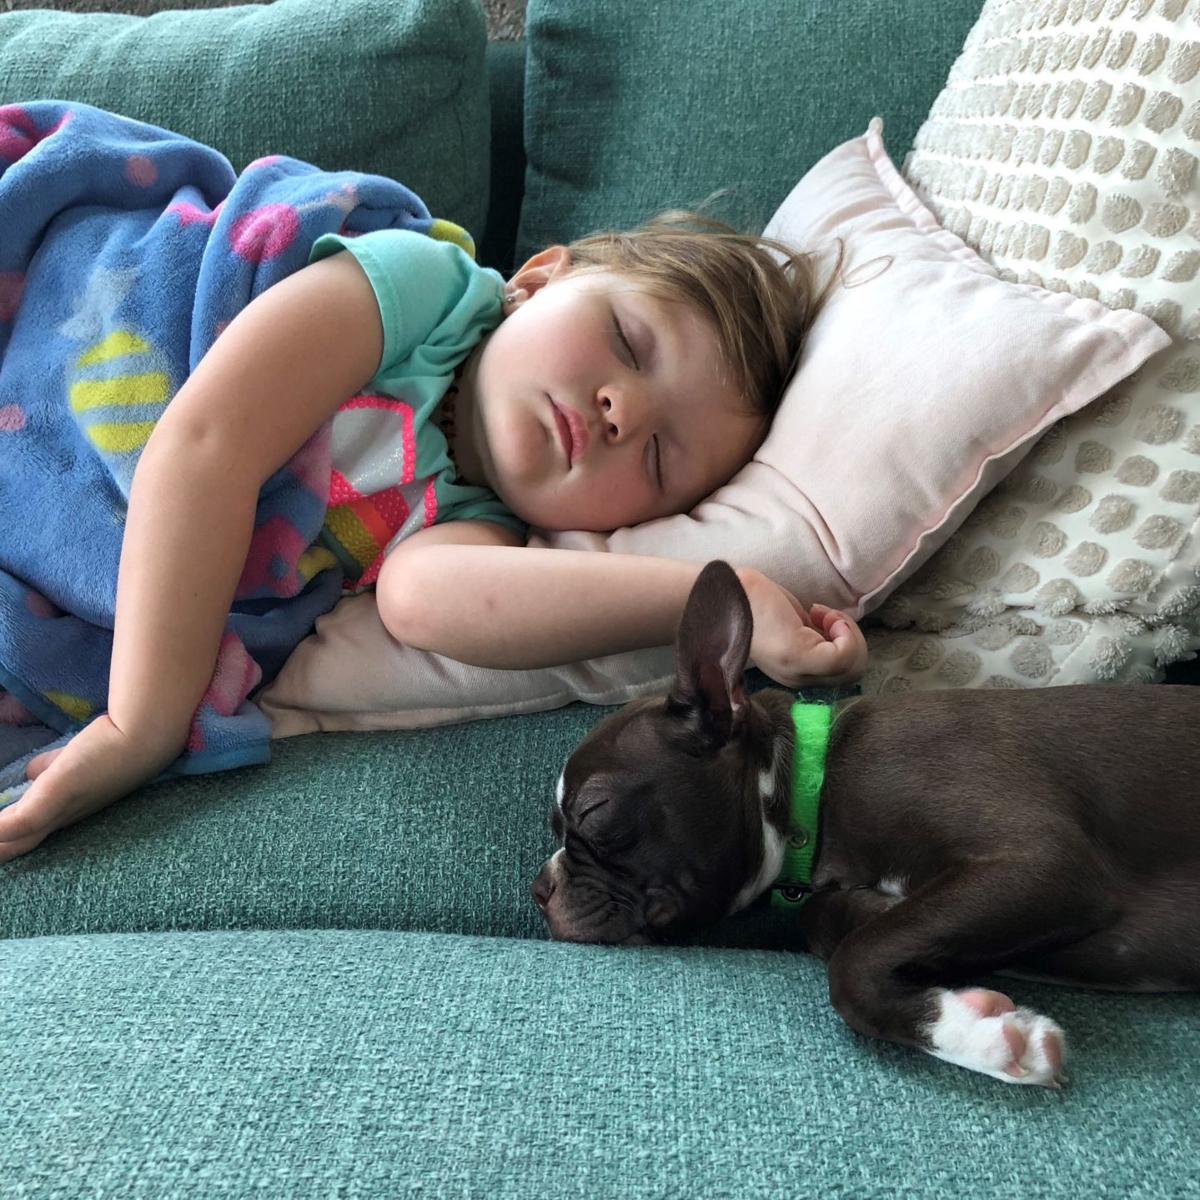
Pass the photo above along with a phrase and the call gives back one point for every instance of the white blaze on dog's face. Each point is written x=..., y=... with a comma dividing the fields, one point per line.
x=659, y=809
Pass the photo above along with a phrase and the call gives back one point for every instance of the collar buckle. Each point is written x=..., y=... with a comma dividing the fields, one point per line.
x=788, y=895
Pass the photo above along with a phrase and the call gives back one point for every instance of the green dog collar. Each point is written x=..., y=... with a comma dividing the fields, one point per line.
x=794, y=883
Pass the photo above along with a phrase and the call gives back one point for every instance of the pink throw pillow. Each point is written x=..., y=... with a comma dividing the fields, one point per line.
x=926, y=378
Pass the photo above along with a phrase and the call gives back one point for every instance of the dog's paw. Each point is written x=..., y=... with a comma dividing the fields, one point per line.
x=985, y=1031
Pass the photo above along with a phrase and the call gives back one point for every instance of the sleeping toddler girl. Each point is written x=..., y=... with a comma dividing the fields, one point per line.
x=609, y=382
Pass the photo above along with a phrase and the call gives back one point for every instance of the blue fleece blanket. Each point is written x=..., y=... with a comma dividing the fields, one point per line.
x=124, y=251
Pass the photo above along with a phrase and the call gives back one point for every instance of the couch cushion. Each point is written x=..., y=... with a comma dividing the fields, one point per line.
x=397, y=87
x=313, y=1064
x=439, y=829
x=633, y=107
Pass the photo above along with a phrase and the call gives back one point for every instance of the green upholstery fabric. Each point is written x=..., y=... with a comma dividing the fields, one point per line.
x=440, y=829
x=506, y=80
x=399, y=89
x=633, y=107
x=315, y=1064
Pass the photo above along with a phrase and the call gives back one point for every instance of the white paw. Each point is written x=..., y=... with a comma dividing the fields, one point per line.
x=984, y=1031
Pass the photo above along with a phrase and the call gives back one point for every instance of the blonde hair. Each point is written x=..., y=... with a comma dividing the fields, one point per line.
x=762, y=306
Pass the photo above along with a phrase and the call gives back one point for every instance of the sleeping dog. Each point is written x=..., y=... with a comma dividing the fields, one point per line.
x=932, y=838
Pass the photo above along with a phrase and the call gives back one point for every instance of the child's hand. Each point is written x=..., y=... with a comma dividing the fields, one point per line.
x=797, y=647
x=98, y=765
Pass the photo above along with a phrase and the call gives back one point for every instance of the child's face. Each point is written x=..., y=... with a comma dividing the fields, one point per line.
x=638, y=386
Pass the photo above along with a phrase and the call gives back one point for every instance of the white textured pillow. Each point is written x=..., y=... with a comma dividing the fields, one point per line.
x=925, y=378
x=1064, y=146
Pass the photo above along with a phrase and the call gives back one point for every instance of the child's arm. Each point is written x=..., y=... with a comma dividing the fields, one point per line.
x=496, y=604
x=275, y=375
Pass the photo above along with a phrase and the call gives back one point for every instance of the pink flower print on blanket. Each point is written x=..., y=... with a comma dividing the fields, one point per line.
x=11, y=283
x=281, y=560
x=19, y=132
x=235, y=677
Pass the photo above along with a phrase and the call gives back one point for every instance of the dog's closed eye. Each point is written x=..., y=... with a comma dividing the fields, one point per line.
x=578, y=814
x=590, y=807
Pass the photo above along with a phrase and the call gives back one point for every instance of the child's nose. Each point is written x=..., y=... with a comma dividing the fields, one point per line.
x=620, y=414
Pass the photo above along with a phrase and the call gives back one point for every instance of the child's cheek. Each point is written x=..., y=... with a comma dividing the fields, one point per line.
x=520, y=447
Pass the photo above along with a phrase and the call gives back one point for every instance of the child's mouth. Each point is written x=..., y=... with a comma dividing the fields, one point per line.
x=571, y=431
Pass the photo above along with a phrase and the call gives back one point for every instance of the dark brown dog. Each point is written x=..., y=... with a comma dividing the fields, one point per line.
x=1052, y=834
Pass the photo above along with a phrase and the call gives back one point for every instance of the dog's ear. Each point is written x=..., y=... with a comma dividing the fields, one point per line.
x=711, y=650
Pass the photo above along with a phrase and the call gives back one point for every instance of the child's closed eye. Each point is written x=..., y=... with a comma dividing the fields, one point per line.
x=627, y=354
x=657, y=453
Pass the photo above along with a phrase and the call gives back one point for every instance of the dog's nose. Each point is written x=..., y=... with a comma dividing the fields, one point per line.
x=543, y=889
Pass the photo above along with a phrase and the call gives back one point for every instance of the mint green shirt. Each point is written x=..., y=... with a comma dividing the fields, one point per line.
x=392, y=473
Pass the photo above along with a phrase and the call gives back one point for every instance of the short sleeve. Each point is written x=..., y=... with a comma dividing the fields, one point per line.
x=431, y=293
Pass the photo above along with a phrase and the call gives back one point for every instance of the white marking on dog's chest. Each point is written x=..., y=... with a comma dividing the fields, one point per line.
x=766, y=783
x=773, y=841
x=768, y=872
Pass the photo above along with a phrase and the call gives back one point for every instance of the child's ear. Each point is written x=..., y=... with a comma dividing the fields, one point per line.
x=535, y=274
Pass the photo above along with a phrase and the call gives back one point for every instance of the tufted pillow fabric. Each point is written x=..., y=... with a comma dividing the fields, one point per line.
x=924, y=379
x=1064, y=147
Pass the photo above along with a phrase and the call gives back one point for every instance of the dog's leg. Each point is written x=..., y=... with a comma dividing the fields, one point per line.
x=828, y=917
x=891, y=976
x=1153, y=947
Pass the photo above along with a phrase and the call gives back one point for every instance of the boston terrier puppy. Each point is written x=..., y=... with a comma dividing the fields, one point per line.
x=923, y=839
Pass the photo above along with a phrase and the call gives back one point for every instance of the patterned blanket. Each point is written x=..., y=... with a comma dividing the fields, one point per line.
x=124, y=251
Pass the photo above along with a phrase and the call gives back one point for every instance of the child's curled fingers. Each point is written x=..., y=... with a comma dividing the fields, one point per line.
x=845, y=648
x=798, y=647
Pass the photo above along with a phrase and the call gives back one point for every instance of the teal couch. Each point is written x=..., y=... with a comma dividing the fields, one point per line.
x=326, y=977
